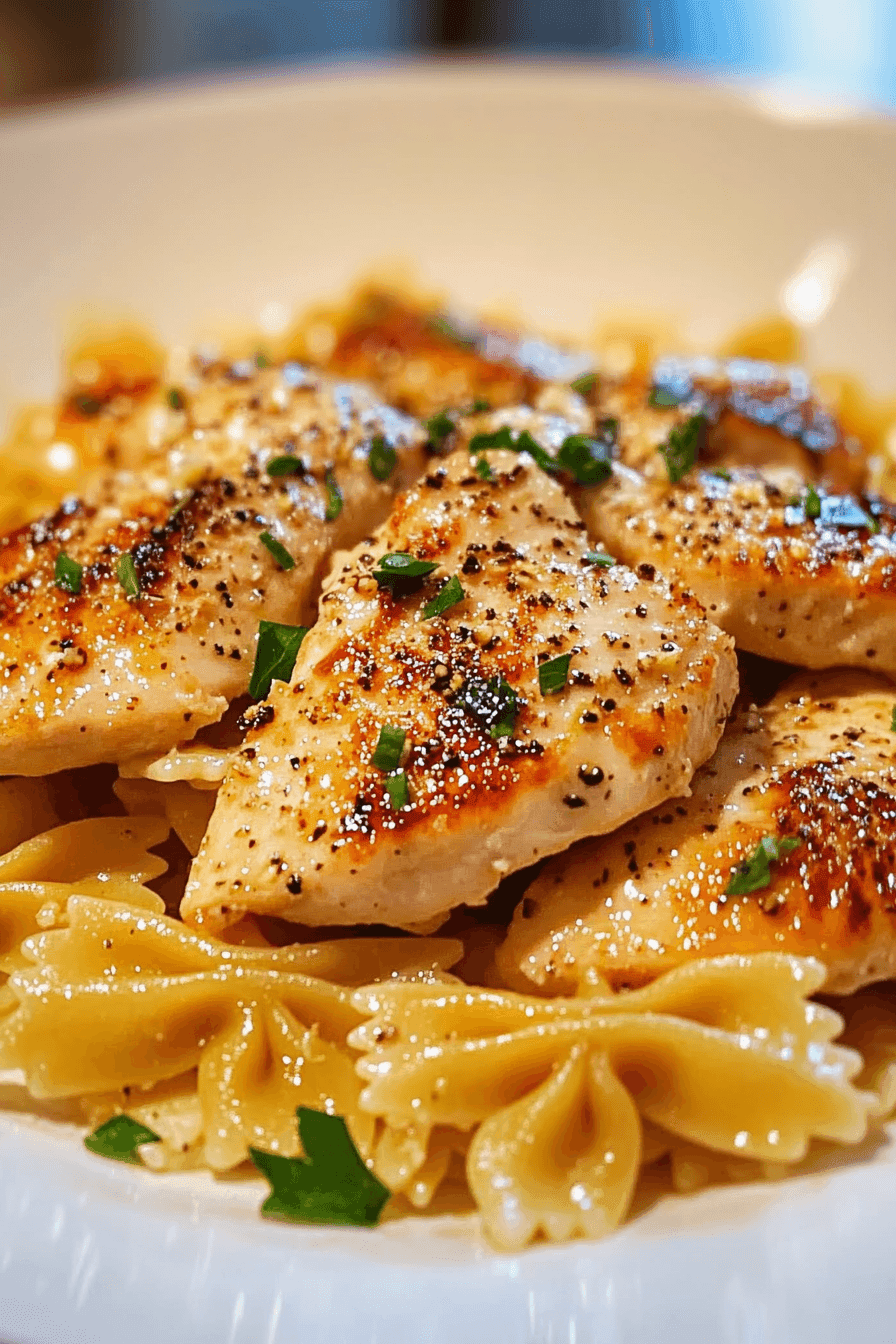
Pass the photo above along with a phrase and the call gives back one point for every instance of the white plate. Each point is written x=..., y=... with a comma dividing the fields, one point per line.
x=566, y=192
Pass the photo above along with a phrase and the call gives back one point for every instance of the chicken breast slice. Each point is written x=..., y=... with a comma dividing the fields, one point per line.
x=816, y=766
x=794, y=569
x=229, y=519
x=506, y=750
x=423, y=359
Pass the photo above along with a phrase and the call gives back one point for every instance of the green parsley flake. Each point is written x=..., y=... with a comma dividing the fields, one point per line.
x=397, y=789
x=663, y=397
x=381, y=459
x=278, y=551
x=67, y=573
x=552, y=675
x=119, y=1138
x=493, y=703
x=175, y=398
x=439, y=427
x=682, y=447
x=520, y=442
x=334, y=498
x=483, y=470
x=477, y=406
x=812, y=503
x=893, y=721
x=722, y=473
x=600, y=558
x=755, y=872
x=401, y=573
x=275, y=655
x=262, y=361
x=128, y=577
x=584, y=384
x=285, y=465
x=447, y=596
x=588, y=460
x=451, y=330
x=178, y=509
x=330, y=1184
x=389, y=748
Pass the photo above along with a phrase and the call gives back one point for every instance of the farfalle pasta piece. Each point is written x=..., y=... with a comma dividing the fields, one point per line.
x=122, y=997
x=107, y=856
x=724, y=1053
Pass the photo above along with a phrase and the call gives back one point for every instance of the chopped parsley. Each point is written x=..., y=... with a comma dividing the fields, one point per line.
x=67, y=573
x=401, y=573
x=722, y=473
x=477, y=406
x=553, y=674
x=389, y=747
x=286, y=465
x=519, y=442
x=662, y=397
x=493, y=703
x=381, y=459
x=584, y=384
x=755, y=872
x=275, y=655
x=812, y=503
x=334, y=498
x=330, y=1184
x=397, y=789
x=447, y=596
x=683, y=446
x=278, y=551
x=600, y=558
x=262, y=361
x=893, y=721
x=450, y=329
x=119, y=1138
x=483, y=470
x=439, y=427
x=128, y=577
x=587, y=460
x=175, y=398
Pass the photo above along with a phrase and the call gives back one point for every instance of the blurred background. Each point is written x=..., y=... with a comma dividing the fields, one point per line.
x=845, y=49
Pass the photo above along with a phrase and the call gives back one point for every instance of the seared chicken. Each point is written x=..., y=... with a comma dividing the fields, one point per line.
x=129, y=618
x=420, y=754
x=815, y=591
x=423, y=359
x=789, y=566
x=811, y=778
x=756, y=415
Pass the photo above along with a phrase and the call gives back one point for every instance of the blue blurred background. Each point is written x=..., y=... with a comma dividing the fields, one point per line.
x=845, y=49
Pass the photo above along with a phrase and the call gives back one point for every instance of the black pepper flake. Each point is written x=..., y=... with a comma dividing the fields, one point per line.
x=319, y=830
x=624, y=678
x=591, y=775
x=572, y=800
x=294, y=885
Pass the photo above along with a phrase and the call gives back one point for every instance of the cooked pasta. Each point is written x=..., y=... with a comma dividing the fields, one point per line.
x=548, y=1115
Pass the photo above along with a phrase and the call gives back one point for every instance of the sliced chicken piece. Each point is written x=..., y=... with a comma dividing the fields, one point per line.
x=789, y=566
x=503, y=749
x=756, y=415
x=816, y=769
x=815, y=591
x=424, y=359
x=171, y=568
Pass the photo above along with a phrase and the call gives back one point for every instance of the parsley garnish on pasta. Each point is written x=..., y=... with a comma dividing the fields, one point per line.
x=330, y=1184
x=119, y=1138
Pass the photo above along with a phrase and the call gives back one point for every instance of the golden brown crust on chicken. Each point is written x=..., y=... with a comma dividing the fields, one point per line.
x=817, y=764
x=422, y=359
x=304, y=826
x=816, y=592
x=98, y=675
